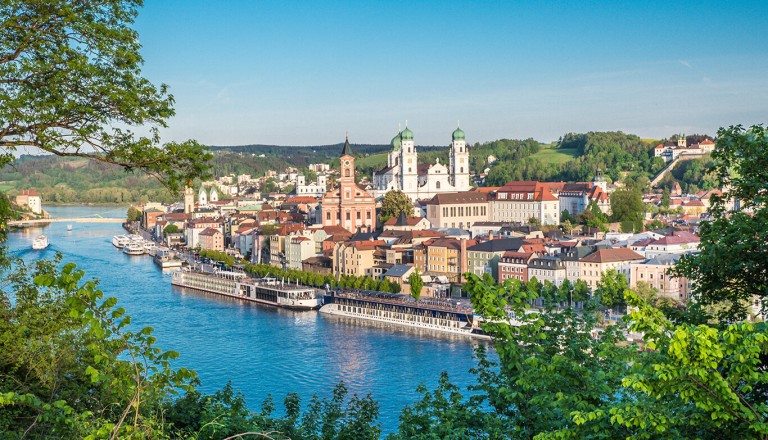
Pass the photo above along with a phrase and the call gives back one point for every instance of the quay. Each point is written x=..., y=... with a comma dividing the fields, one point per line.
x=43, y=221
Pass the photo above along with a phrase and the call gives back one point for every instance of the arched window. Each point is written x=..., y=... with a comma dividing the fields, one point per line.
x=346, y=172
x=461, y=170
x=437, y=184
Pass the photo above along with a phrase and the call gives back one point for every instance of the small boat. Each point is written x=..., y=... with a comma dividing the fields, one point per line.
x=40, y=242
x=166, y=259
x=120, y=241
x=69, y=227
x=134, y=248
x=150, y=247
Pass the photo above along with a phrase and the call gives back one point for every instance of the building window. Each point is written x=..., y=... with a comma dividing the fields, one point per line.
x=368, y=215
x=327, y=215
x=437, y=184
x=348, y=216
x=359, y=215
x=346, y=172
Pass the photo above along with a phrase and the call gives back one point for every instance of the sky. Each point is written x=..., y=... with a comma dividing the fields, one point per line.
x=305, y=73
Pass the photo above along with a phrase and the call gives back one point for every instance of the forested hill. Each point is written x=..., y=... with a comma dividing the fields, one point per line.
x=575, y=157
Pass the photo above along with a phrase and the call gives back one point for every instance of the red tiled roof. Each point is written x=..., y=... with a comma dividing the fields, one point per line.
x=612, y=255
x=210, y=232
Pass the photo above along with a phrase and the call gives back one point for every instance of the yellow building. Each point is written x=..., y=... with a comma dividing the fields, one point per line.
x=354, y=257
x=593, y=265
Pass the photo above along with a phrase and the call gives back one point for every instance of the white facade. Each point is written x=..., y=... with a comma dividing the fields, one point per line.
x=315, y=189
x=402, y=171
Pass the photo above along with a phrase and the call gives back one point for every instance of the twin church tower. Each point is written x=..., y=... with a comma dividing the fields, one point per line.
x=404, y=173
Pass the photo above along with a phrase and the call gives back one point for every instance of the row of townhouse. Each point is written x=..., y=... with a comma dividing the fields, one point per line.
x=589, y=264
x=515, y=202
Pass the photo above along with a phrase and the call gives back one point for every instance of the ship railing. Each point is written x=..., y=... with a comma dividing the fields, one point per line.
x=450, y=307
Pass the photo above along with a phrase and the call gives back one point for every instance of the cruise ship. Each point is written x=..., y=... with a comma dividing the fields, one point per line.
x=238, y=285
x=120, y=241
x=134, y=248
x=40, y=242
x=398, y=309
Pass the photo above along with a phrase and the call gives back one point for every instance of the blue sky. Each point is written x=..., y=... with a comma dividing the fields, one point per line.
x=303, y=73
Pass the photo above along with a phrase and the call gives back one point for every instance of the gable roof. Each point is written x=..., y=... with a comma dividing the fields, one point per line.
x=498, y=245
x=612, y=255
x=458, y=198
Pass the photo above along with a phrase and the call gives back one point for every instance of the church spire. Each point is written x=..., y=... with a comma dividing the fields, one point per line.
x=347, y=150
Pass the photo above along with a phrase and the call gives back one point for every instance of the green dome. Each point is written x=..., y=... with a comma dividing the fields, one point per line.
x=396, y=141
x=406, y=135
x=458, y=134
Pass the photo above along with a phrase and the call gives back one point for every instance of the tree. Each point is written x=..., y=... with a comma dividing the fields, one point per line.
x=665, y=199
x=416, y=283
x=394, y=203
x=627, y=206
x=133, y=215
x=71, y=83
x=731, y=270
x=611, y=288
x=567, y=227
x=171, y=229
x=534, y=221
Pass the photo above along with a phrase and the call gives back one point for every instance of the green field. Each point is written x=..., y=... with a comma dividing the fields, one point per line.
x=552, y=155
x=374, y=162
x=4, y=187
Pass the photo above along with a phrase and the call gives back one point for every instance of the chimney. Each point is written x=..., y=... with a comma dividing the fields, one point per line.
x=462, y=260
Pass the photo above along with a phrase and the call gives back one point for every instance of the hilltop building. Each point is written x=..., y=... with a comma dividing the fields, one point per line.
x=30, y=199
x=423, y=182
x=349, y=206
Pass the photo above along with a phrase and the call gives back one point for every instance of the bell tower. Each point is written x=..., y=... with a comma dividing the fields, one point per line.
x=459, y=163
x=189, y=200
x=409, y=164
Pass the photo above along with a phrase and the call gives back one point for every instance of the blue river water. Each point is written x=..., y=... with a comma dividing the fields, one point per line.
x=262, y=350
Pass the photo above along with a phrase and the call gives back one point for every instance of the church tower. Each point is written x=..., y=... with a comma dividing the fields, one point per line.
x=459, y=161
x=394, y=155
x=189, y=200
x=202, y=197
x=347, y=179
x=409, y=180
x=214, y=197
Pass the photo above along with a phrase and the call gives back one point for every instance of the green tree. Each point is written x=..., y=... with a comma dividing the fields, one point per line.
x=627, y=206
x=665, y=199
x=416, y=283
x=133, y=215
x=611, y=287
x=171, y=229
x=393, y=203
x=731, y=269
x=71, y=75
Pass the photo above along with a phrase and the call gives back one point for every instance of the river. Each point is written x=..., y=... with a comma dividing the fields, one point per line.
x=261, y=350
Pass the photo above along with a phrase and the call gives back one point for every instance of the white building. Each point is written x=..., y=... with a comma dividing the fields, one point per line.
x=315, y=189
x=404, y=173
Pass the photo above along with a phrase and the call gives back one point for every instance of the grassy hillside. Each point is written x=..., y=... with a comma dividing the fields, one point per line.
x=550, y=154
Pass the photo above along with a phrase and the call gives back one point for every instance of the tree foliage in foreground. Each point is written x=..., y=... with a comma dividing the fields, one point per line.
x=731, y=269
x=71, y=85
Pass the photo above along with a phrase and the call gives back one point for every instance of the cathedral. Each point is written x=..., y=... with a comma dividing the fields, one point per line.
x=423, y=182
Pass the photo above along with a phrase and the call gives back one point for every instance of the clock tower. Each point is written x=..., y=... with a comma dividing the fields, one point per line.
x=349, y=206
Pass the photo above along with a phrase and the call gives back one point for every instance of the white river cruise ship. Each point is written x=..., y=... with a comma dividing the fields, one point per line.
x=239, y=285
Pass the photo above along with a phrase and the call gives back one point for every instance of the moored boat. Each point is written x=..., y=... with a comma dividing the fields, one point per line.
x=401, y=310
x=239, y=285
x=40, y=242
x=134, y=248
x=166, y=259
x=120, y=241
